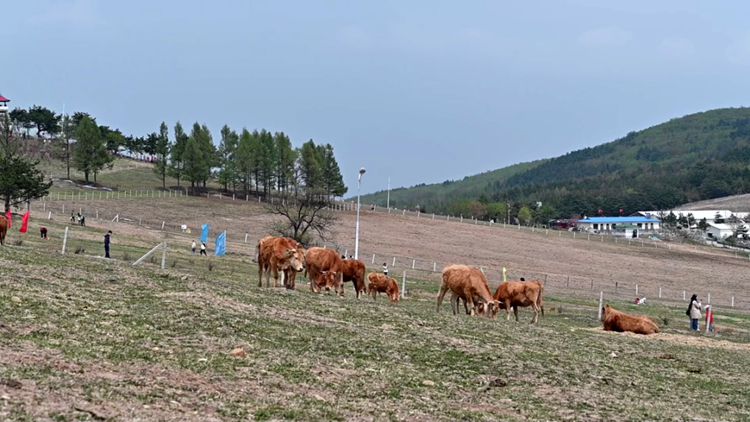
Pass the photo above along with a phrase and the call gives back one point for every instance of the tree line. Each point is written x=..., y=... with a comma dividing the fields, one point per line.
x=258, y=162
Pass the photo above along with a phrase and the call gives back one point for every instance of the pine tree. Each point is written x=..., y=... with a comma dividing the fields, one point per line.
x=310, y=168
x=333, y=182
x=228, y=157
x=195, y=165
x=245, y=159
x=266, y=160
x=286, y=157
x=162, y=154
x=202, y=136
x=20, y=180
x=176, y=165
x=90, y=154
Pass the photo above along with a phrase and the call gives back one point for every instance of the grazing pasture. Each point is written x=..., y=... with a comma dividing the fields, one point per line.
x=82, y=337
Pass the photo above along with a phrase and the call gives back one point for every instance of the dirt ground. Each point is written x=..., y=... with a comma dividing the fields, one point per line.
x=576, y=266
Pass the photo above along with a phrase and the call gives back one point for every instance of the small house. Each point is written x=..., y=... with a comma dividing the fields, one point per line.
x=632, y=226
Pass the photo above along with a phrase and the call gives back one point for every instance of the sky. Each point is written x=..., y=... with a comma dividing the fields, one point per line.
x=415, y=91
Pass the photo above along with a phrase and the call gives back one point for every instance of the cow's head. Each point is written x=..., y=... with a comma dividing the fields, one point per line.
x=329, y=279
x=296, y=259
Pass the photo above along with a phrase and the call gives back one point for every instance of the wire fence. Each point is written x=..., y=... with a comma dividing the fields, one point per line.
x=421, y=268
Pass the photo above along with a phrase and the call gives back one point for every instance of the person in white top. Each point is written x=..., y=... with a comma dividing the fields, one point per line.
x=694, y=311
x=192, y=246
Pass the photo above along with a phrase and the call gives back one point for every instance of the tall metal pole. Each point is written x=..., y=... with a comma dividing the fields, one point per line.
x=356, y=230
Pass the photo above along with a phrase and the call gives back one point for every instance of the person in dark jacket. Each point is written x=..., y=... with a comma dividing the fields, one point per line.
x=106, y=243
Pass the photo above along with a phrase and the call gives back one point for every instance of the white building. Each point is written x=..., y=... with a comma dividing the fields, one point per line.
x=3, y=104
x=719, y=231
x=698, y=215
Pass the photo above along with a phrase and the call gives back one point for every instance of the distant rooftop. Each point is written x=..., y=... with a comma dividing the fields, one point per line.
x=3, y=99
x=618, y=220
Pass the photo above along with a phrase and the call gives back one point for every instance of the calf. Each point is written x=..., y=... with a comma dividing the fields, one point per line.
x=614, y=320
x=466, y=283
x=521, y=293
x=382, y=283
x=354, y=271
x=324, y=269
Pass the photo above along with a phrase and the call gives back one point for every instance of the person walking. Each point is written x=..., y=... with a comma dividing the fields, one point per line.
x=106, y=243
x=203, y=249
x=694, y=312
x=192, y=247
x=43, y=232
x=385, y=268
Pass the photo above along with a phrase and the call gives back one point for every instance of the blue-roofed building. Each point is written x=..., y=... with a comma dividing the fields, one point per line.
x=632, y=226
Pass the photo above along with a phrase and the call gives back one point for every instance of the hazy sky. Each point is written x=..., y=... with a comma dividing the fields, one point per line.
x=421, y=91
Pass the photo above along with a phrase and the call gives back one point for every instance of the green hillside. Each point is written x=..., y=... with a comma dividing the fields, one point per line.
x=696, y=157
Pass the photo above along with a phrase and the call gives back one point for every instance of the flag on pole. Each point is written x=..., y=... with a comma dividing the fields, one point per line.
x=9, y=216
x=221, y=244
x=25, y=222
x=204, y=234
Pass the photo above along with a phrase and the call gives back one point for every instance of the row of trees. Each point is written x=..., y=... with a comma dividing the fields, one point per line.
x=257, y=161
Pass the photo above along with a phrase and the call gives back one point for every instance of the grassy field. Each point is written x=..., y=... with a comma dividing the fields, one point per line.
x=84, y=338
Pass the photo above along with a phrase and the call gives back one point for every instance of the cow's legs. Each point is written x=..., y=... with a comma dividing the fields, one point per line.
x=443, y=289
x=515, y=312
x=507, y=310
x=535, y=318
x=454, y=303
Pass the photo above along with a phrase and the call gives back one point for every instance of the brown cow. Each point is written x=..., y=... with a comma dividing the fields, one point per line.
x=278, y=254
x=614, y=320
x=354, y=271
x=3, y=229
x=466, y=283
x=512, y=294
x=324, y=269
x=382, y=283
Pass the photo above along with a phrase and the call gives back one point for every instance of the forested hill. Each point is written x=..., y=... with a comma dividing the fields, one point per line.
x=700, y=156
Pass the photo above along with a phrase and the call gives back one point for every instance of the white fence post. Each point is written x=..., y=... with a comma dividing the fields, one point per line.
x=65, y=240
x=601, y=300
x=373, y=259
x=659, y=292
x=403, y=286
x=162, y=225
x=49, y=217
x=164, y=256
x=732, y=301
x=394, y=262
x=245, y=237
x=709, y=298
x=636, y=290
x=683, y=295
x=413, y=263
x=434, y=267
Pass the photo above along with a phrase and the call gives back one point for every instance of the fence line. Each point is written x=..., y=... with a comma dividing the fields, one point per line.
x=426, y=266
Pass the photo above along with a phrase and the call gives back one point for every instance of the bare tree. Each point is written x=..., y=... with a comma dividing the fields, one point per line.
x=303, y=217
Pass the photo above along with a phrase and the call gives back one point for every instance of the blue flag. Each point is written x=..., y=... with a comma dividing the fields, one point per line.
x=221, y=244
x=204, y=235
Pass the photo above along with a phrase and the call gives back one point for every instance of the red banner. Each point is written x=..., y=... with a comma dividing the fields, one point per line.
x=9, y=216
x=25, y=222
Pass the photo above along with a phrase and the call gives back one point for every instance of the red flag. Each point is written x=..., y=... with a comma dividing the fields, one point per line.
x=9, y=216
x=25, y=222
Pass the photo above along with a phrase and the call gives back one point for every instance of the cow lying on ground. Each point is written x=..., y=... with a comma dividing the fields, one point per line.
x=324, y=270
x=382, y=283
x=469, y=284
x=354, y=271
x=614, y=320
x=513, y=294
x=279, y=255
x=3, y=229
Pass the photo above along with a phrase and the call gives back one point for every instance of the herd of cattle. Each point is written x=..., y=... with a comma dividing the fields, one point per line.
x=282, y=257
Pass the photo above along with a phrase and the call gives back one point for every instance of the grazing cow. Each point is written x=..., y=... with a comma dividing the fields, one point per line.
x=354, y=271
x=278, y=255
x=3, y=229
x=614, y=320
x=512, y=294
x=382, y=283
x=466, y=283
x=324, y=269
